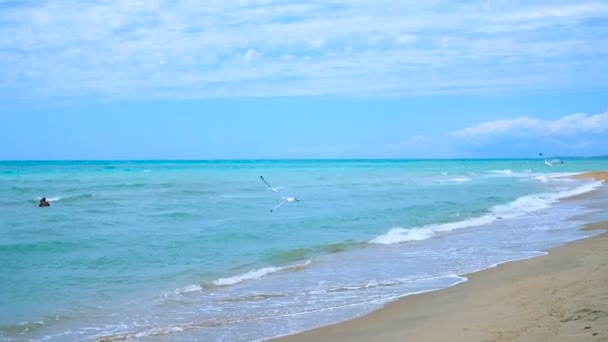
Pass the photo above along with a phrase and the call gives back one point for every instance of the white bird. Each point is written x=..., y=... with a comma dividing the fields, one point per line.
x=270, y=187
x=550, y=162
x=284, y=200
x=553, y=161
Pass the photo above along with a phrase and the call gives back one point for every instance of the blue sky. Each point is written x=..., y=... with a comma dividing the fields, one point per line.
x=302, y=79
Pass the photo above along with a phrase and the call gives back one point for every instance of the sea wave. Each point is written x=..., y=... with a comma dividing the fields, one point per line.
x=563, y=177
x=181, y=293
x=373, y=284
x=167, y=330
x=65, y=198
x=503, y=172
x=526, y=173
x=256, y=274
x=179, y=215
x=298, y=254
x=28, y=327
x=458, y=180
x=520, y=206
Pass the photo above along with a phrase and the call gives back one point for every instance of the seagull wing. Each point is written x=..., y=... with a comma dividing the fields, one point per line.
x=265, y=182
x=278, y=204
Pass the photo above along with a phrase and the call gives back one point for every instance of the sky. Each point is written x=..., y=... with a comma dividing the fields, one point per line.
x=270, y=79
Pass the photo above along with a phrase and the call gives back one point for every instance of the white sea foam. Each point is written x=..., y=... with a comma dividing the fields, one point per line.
x=179, y=295
x=523, y=173
x=520, y=206
x=503, y=172
x=50, y=199
x=461, y=179
x=456, y=180
x=563, y=177
x=160, y=331
x=61, y=198
x=397, y=235
x=191, y=288
x=53, y=199
x=257, y=274
x=556, y=177
x=184, y=290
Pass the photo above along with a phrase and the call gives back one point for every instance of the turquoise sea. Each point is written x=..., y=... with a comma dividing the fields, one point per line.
x=190, y=251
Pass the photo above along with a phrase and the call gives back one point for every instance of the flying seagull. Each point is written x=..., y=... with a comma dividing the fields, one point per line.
x=270, y=187
x=553, y=161
x=550, y=162
x=284, y=200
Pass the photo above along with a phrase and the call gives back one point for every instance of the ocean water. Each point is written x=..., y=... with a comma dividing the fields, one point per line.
x=190, y=251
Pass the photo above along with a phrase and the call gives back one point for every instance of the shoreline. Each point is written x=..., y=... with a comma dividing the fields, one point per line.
x=559, y=296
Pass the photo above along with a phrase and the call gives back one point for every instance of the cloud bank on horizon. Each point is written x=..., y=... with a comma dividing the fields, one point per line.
x=578, y=134
x=579, y=123
x=203, y=49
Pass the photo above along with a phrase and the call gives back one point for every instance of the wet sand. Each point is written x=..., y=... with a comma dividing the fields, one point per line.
x=561, y=296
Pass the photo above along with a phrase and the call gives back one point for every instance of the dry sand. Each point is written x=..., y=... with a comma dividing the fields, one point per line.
x=561, y=296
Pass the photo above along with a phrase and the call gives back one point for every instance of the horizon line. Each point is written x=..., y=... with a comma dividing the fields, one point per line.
x=293, y=159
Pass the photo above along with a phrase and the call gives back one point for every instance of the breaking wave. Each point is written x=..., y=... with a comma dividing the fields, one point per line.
x=520, y=206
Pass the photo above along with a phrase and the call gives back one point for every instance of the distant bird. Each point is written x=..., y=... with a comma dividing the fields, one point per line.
x=553, y=161
x=284, y=200
x=550, y=162
x=270, y=187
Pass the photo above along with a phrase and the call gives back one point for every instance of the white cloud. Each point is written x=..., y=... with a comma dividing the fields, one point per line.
x=111, y=48
x=420, y=138
x=251, y=54
x=556, y=11
x=524, y=126
x=406, y=39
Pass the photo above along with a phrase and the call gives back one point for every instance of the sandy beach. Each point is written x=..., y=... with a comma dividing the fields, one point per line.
x=561, y=296
x=598, y=175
